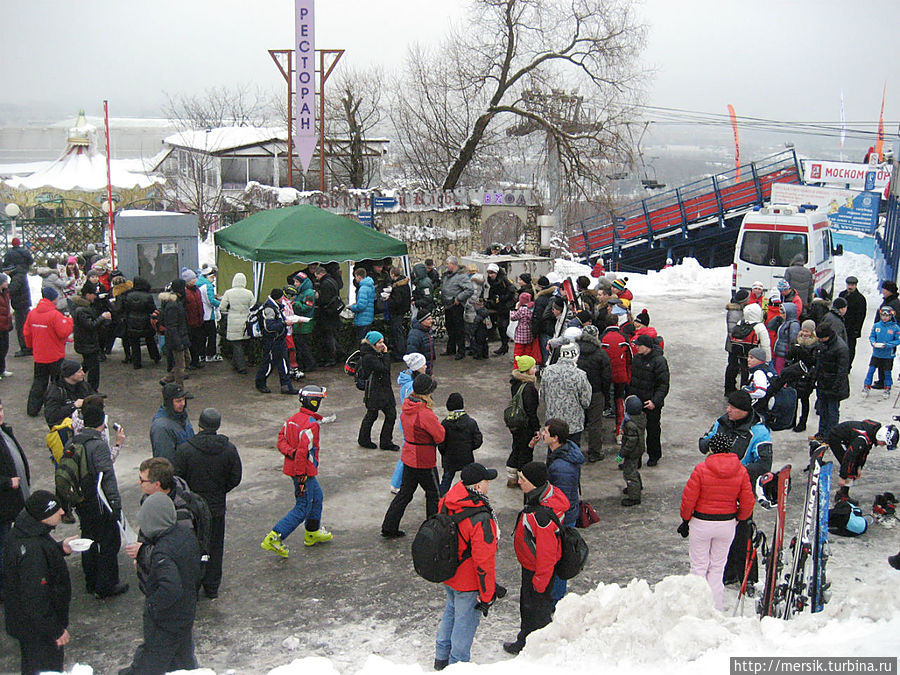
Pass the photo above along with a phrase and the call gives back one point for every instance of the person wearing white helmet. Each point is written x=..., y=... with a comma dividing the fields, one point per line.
x=851, y=442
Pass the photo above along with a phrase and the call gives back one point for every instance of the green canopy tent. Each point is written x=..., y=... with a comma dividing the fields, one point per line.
x=271, y=244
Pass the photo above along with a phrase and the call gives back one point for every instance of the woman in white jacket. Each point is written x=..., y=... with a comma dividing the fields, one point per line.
x=235, y=308
x=753, y=315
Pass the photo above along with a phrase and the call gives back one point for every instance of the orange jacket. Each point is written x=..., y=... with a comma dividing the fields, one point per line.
x=298, y=441
x=477, y=535
x=46, y=330
x=719, y=487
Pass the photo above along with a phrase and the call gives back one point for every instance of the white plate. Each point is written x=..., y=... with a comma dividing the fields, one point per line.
x=80, y=545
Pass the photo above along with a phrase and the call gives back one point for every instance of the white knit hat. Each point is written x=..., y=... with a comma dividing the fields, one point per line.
x=414, y=361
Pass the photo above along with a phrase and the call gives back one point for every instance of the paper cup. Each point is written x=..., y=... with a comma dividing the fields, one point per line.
x=80, y=545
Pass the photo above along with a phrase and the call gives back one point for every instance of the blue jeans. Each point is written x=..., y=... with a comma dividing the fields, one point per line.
x=397, y=478
x=829, y=410
x=447, y=481
x=308, y=507
x=458, y=626
x=883, y=374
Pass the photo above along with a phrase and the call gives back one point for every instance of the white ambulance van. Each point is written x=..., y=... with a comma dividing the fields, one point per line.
x=770, y=237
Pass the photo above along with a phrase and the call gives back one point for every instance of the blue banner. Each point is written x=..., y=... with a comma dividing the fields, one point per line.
x=858, y=214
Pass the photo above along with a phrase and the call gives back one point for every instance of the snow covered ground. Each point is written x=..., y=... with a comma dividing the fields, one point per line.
x=669, y=626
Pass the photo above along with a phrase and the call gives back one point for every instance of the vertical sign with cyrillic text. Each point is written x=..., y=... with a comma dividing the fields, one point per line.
x=305, y=87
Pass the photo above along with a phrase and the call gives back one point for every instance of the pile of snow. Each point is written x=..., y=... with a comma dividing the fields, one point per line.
x=427, y=233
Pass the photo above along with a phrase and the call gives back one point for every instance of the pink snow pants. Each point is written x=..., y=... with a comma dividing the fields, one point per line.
x=709, y=543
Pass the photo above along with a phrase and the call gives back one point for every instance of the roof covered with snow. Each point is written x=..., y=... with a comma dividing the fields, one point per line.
x=225, y=138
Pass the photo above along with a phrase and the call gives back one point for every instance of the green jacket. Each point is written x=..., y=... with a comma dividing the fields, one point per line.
x=305, y=305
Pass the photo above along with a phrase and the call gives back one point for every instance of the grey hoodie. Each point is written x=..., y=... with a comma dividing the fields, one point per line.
x=157, y=515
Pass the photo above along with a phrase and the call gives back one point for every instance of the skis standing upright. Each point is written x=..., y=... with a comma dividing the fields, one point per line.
x=772, y=592
x=818, y=583
x=797, y=582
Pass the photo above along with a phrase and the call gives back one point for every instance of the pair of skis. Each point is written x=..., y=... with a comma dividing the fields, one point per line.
x=785, y=594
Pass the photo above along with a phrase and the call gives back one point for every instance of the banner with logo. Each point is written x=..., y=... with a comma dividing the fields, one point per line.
x=846, y=209
x=847, y=174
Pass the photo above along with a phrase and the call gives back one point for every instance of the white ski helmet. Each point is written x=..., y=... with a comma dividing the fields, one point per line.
x=889, y=435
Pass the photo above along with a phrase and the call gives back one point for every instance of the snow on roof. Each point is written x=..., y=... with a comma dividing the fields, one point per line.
x=82, y=169
x=225, y=138
x=21, y=168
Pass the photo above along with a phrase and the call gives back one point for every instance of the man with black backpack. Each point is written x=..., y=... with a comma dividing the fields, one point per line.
x=96, y=500
x=273, y=327
x=157, y=474
x=472, y=589
x=538, y=549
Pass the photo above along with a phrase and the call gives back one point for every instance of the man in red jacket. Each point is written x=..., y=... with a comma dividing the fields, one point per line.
x=538, y=549
x=422, y=431
x=45, y=331
x=472, y=590
x=298, y=441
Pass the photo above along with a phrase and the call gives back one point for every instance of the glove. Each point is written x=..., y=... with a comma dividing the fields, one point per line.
x=300, y=487
x=499, y=592
x=684, y=529
x=328, y=419
x=483, y=607
x=620, y=459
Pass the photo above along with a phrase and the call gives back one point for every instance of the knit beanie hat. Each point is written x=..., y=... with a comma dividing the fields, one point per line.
x=757, y=353
x=824, y=331
x=643, y=317
x=535, y=473
x=42, y=504
x=49, y=293
x=741, y=400
x=92, y=412
x=591, y=331
x=782, y=285
x=493, y=267
x=809, y=325
x=187, y=274
x=525, y=299
x=157, y=514
x=414, y=361
x=719, y=443
x=4, y=278
x=838, y=303
x=524, y=363
x=740, y=296
x=644, y=340
x=584, y=316
x=69, y=367
x=619, y=284
x=373, y=336
x=424, y=384
x=633, y=405
x=455, y=401
x=177, y=287
x=569, y=352
x=525, y=277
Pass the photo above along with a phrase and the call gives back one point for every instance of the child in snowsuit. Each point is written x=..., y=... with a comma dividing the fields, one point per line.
x=634, y=427
x=462, y=438
x=885, y=337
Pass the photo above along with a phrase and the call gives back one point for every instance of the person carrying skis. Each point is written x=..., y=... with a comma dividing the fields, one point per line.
x=851, y=442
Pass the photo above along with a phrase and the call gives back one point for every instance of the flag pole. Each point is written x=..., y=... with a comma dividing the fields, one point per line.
x=109, y=201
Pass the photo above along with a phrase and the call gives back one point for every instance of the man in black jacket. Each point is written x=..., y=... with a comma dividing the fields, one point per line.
x=88, y=323
x=172, y=572
x=138, y=306
x=174, y=318
x=210, y=464
x=274, y=329
x=832, y=381
x=500, y=299
x=15, y=483
x=398, y=304
x=98, y=515
x=66, y=394
x=594, y=361
x=376, y=367
x=20, y=300
x=650, y=383
x=855, y=316
x=328, y=321
x=37, y=585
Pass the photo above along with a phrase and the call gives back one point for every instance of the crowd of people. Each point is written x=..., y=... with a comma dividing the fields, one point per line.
x=579, y=350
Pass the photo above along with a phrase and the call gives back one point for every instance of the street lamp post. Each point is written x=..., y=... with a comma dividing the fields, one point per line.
x=12, y=212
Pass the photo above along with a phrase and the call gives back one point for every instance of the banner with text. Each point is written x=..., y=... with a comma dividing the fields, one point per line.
x=846, y=209
x=304, y=85
x=847, y=174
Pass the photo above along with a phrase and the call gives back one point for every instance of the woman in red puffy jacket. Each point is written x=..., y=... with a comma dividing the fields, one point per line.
x=716, y=496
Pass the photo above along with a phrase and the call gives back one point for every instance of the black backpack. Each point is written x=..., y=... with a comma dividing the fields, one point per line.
x=254, y=326
x=191, y=506
x=435, y=550
x=574, y=548
x=353, y=367
x=743, y=338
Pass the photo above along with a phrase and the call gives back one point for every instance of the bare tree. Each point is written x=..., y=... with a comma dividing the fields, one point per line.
x=192, y=183
x=353, y=111
x=511, y=76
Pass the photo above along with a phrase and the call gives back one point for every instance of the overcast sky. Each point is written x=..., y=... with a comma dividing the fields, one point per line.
x=781, y=59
